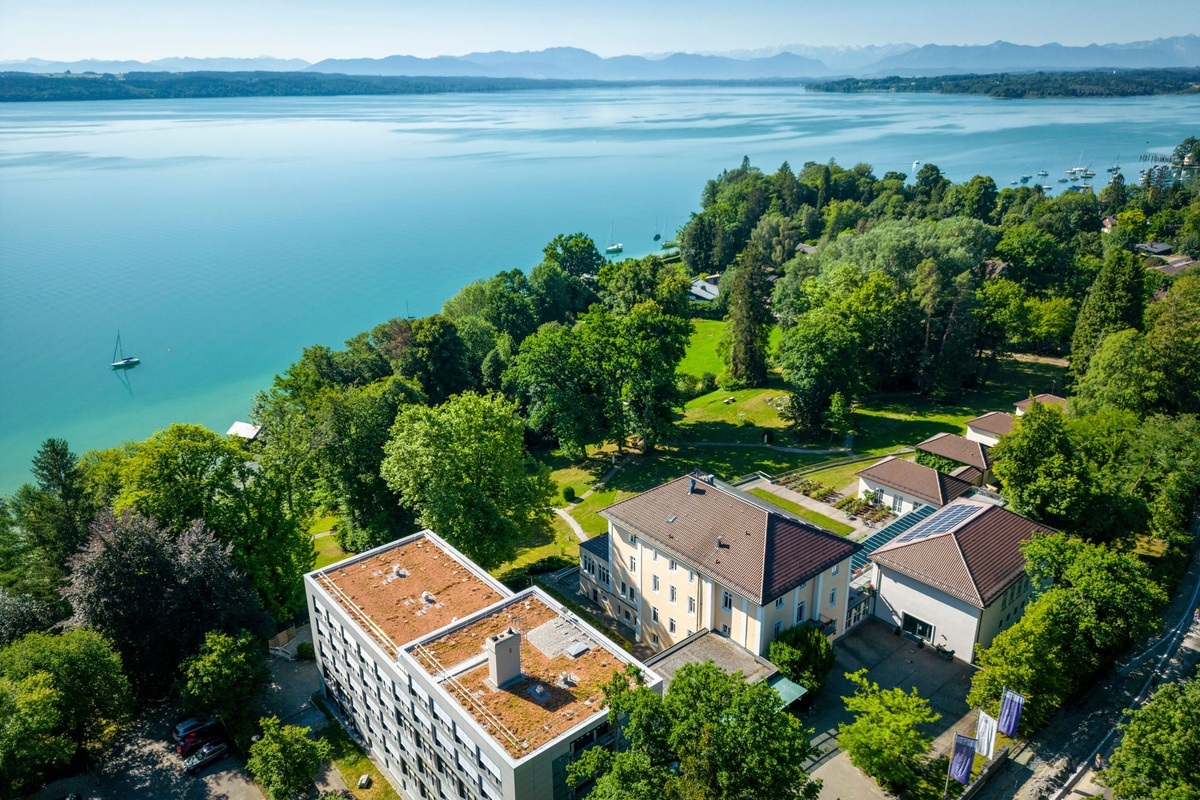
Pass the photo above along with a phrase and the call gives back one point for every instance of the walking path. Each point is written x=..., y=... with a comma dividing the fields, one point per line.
x=565, y=515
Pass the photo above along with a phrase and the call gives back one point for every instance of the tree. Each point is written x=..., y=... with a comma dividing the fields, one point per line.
x=712, y=736
x=626, y=284
x=285, y=761
x=19, y=615
x=1159, y=755
x=435, y=358
x=649, y=345
x=803, y=654
x=559, y=381
x=748, y=324
x=575, y=254
x=464, y=469
x=885, y=739
x=226, y=678
x=31, y=737
x=84, y=686
x=1036, y=260
x=818, y=357
x=1039, y=471
x=56, y=513
x=839, y=416
x=1113, y=304
x=155, y=595
x=1119, y=375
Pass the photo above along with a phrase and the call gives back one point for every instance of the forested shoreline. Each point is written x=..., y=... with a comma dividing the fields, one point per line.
x=1031, y=85
x=19, y=87
x=144, y=560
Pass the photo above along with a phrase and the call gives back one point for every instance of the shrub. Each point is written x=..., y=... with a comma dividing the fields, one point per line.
x=708, y=383
x=568, y=493
x=305, y=652
x=687, y=385
x=804, y=655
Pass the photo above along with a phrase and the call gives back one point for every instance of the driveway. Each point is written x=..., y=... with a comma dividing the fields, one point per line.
x=890, y=661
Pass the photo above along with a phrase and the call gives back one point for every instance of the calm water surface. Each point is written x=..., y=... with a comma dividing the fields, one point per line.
x=221, y=236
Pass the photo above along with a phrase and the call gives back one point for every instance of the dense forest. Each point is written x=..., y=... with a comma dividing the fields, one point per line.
x=27, y=87
x=144, y=559
x=1093, y=83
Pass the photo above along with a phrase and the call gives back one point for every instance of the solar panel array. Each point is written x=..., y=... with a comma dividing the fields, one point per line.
x=886, y=534
x=947, y=519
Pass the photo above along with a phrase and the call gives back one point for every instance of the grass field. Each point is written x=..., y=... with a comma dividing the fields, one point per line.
x=351, y=762
x=328, y=551
x=816, y=518
x=842, y=476
x=556, y=539
x=702, y=356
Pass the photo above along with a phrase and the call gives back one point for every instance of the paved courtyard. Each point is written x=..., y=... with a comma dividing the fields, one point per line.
x=890, y=661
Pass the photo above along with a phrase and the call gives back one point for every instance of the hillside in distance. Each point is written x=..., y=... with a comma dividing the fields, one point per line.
x=936, y=59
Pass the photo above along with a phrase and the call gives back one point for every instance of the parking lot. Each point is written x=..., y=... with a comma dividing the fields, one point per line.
x=890, y=661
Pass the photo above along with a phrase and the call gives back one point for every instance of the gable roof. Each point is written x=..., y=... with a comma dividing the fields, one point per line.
x=1045, y=399
x=969, y=550
x=924, y=483
x=748, y=544
x=996, y=422
x=958, y=448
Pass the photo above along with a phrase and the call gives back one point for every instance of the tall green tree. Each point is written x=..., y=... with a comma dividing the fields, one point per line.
x=628, y=283
x=818, y=357
x=886, y=740
x=748, y=324
x=32, y=740
x=226, y=679
x=575, y=254
x=286, y=761
x=78, y=675
x=1114, y=303
x=1158, y=757
x=464, y=468
x=805, y=655
x=711, y=736
x=649, y=344
x=435, y=358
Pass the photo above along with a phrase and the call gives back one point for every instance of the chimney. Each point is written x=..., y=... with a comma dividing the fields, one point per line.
x=691, y=485
x=504, y=658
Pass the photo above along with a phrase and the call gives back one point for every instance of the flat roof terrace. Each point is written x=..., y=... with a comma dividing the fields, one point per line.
x=563, y=670
x=406, y=591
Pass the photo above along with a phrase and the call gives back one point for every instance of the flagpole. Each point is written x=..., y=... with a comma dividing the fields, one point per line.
x=946, y=790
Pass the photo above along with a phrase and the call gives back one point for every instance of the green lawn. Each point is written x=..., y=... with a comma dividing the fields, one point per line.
x=556, y=539
x=840, y=477
x=328, y=551
x=887, y=421
x=351, y=762
x=828, y=523
x=701, y=355
x=324, y=523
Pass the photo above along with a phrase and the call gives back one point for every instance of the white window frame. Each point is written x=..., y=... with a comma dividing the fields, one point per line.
x=654, y=582
x=727, y=601
x=672, y=593
x=833, y=597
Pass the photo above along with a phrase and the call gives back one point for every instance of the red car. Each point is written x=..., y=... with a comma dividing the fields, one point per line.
x=194, y=741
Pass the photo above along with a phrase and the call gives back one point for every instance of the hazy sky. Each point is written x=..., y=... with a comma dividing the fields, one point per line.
x=316, y=29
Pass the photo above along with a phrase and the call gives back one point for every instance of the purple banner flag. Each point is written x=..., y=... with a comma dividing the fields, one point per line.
x=963, y=758
x=1010, y=712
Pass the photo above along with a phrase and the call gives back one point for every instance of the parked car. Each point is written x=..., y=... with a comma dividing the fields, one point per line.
x=192, y=725
x=209, y=753
x=194, y=741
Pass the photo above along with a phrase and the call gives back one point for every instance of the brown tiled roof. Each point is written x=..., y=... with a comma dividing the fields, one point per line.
x=997, y=422
x=762, y=552
x=913, y=479
x=968, y=473
x=1045, y=399
x=974, y=561
x=958, y=448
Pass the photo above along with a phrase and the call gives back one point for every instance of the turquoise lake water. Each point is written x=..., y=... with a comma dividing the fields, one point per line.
x=222, y=236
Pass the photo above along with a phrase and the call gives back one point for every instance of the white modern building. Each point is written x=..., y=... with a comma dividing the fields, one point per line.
x=956, y=578
x=988, y=428
x=905, y=486
x=458, y=687
x=696, y=553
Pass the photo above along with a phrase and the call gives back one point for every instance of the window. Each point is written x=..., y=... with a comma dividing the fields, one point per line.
x=691, y=576
x=800, y=612
x=654, y=554
x=725, y=629
x=897, y=503
x=671, y=625
x=727, y=601
x=632, y=564
x=654, y=613
x=833, y=596
x=654, y=583
x=917, y=627
x=690, y=632
x=836, y=569
x=654, y=638
x=672, y=565
x=917, y=505
x=632, y=538
x=691, y=605
x=623, y=590
x=778, y=628
x=603, y=576
x=779, y=602
x=671, y=591
x=626, y=614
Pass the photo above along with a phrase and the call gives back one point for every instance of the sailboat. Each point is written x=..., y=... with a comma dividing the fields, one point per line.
x=612, y=248
x=120, y=360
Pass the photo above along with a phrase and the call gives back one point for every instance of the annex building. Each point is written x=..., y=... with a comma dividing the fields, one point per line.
x=458, y=687
x=698, y=554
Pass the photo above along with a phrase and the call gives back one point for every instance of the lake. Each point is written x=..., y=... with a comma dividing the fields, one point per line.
x=222, y=236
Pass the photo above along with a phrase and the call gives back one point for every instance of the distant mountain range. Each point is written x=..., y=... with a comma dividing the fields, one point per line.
x=791, y=61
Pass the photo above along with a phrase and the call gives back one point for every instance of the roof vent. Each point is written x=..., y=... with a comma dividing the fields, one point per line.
x=577, y=649
x=709, y=479
x=671, y=518
x=720, y=541
x=691, y=485
x=504, y=658
x=428, y=597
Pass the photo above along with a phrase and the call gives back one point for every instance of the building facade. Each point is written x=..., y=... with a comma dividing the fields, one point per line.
x=457, y=687
x=697, y=554
x=905, y=486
